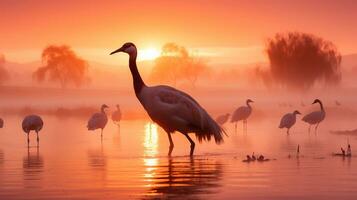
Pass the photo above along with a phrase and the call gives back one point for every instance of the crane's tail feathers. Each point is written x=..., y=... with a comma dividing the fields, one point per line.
x=210, y=129
x=90, y=128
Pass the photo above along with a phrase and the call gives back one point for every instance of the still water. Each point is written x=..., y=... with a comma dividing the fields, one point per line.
x=131, y=163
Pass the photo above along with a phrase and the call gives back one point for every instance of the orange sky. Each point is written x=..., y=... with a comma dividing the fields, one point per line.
x=100, y=26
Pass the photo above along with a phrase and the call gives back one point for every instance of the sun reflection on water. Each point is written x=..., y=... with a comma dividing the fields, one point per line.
x=151, y=140
x=150, y=151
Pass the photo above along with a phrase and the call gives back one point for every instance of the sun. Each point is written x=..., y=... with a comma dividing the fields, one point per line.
x=148, y=54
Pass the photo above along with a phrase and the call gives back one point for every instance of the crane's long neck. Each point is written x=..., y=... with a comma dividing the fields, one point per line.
x=248, y=105
x=102, y=110
x=137, y=80
x=321, y=106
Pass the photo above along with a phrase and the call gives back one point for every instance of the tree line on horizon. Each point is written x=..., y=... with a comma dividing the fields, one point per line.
x=296, y=62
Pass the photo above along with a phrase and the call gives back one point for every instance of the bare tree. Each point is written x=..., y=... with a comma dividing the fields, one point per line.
x=298, y=60
x=4, y=74
x=176, y=64
x=61, y=64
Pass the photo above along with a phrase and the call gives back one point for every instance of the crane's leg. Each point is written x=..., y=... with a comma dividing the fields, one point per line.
x=192, y=144
x=171, y=147
x=101, y=134
x=246, y=126
x=28, y=139
x=309, y=128
x=287, y=132
x=235, y=126
x=316, y=127
x=38, y=139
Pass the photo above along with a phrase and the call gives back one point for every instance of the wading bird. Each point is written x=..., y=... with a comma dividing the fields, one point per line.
x=116, y=116
x=337, y=103
x=1, y=123
x=170, y=108
x=242, y=113
x=32, y=123
x=98, y=120
x=288, y=120
x=315, y=117
x=222, y=119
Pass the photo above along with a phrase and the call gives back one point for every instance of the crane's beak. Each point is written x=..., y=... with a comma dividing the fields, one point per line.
x=116, y=51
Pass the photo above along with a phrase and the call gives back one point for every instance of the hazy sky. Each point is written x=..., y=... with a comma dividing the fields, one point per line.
x=96, y=27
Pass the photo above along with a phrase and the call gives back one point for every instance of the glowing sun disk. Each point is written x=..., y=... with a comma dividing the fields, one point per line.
x=148, y=54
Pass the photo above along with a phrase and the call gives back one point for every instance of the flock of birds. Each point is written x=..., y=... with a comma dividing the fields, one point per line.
x=287, y=121
x=97, y=121
x=100, y=120
x=174, y=111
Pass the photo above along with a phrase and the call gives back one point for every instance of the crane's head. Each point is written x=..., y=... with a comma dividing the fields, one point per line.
x=104, y=106
x=249, y=101
x=128, y=48
x=317, y=101
x=296, y=112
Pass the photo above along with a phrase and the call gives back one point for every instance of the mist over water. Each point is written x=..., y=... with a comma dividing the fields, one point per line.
x=132, y=161
x=57, y=62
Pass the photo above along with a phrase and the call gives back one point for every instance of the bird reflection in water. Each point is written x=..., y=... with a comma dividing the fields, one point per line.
x=97, y=159
x=177, y=177
x=183, y=178
x=2, y=157
x=33, y=167
x=117, y=139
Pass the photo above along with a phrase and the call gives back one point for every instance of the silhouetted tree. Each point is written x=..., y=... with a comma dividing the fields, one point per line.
x=298, y=60
x=62, y=65
x=176, y=64
x=4, y=74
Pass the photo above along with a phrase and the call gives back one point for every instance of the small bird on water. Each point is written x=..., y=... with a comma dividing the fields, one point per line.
x=288, y=120
x=222, y=119
x=98, y=120
x=315, y=117
x=241, y=114
x=116, y=116
x=32, y=123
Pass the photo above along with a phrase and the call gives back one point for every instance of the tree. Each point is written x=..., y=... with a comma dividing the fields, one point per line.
x=62, y=65
x=298, y=60
x=4, y=74
x=176, y=64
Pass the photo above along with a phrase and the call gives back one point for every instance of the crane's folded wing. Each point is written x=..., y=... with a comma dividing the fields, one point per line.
x=184, y=106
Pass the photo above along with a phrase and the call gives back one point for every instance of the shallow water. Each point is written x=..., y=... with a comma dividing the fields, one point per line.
x=131, y=163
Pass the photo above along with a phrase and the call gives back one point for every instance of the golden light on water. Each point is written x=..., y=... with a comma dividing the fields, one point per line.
x=151, y=140
x=150, y=150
